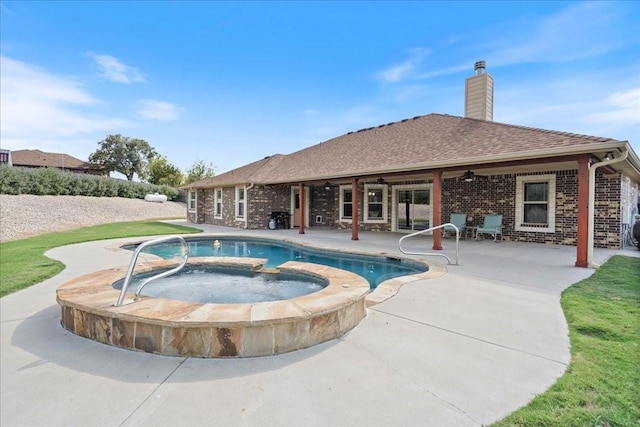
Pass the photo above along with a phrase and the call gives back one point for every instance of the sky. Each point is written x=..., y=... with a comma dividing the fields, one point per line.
x=229, y=83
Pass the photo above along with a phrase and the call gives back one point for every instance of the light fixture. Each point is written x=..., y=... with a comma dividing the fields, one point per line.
x=327, y=185
x=608, y=156
x=468, y=176
x=381, y=181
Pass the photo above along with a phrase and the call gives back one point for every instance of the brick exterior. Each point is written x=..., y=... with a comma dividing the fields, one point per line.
x=264, y=200
x=495, y=194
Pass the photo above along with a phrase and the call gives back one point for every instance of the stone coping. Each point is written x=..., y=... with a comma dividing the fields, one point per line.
x=179, y=328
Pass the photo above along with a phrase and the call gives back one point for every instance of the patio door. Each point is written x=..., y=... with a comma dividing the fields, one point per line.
x=413, y=209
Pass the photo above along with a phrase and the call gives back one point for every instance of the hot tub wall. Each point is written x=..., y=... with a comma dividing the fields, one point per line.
x=177, y=328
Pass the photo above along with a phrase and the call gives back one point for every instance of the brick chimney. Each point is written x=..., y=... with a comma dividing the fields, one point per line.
x=478, y=94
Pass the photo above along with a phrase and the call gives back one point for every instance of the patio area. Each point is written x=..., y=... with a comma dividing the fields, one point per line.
x=462, y=349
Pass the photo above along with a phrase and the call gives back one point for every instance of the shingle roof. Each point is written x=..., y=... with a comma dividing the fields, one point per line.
x=253, y=172
x=423, y=142
x=43, y=159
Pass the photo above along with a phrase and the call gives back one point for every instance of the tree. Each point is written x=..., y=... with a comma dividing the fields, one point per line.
x=161, y=172
x=128, y=156
x=199, y=170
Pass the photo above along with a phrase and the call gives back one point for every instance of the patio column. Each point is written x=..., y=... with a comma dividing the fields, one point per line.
x=301, y=210
x=354, y=209
x=437, y=210
x=582, y=232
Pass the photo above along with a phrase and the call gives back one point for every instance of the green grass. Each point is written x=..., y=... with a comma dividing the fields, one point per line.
x=22, y=262
x=601, y=386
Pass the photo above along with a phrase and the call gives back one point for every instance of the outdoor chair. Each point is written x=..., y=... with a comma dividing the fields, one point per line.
x=491, y=224
x=457, y=219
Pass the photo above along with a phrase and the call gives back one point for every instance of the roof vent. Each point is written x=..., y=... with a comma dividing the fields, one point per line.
x=480, y=67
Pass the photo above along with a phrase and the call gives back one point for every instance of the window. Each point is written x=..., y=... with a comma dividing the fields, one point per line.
x=375, y=207
x=535, y=203
x=240, y=202
x=346, y=203
x=192, y=200
x=218, y=203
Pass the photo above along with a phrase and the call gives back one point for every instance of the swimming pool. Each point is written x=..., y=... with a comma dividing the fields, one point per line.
x=376, y=269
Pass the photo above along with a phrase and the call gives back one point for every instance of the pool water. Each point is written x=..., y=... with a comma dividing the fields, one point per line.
x=222, y=285
x=376, y=269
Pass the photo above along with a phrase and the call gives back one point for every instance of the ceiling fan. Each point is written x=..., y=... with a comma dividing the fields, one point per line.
x=469, y=176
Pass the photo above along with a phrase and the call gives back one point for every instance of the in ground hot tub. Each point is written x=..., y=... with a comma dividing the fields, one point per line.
x=202, y=329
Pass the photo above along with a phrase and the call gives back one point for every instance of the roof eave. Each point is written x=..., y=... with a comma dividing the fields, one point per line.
x=530, y=155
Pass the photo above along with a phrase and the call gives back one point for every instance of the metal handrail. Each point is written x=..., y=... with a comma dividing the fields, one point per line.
x=134, y=258
x=432, y=253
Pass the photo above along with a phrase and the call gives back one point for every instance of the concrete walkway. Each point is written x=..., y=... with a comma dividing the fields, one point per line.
x=464, y=349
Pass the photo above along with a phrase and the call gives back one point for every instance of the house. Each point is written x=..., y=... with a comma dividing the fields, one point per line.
x=5, y=157
x=65, y=162
x=550, y=186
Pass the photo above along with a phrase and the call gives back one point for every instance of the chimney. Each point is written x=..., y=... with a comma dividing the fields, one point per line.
x=478, y=94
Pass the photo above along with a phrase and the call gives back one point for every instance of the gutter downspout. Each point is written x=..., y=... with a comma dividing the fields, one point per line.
x=592, y=202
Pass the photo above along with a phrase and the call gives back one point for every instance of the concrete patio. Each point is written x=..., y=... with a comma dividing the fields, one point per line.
x=463, y=349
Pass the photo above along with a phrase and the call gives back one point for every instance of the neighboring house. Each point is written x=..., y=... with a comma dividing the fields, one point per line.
x=550, y=186
x=5, y=157
x=65, y=162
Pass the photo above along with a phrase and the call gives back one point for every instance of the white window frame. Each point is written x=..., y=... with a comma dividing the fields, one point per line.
x=192, y=202
x=217, y=200
x=384, y=189
x=343, y=188
x=241, y=190
x=550, y=179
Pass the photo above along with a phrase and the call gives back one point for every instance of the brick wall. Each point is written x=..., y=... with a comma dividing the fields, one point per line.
x=496, y=195
x=262, y=200
x=493, y=195
x=323, y=203
x=608, y=213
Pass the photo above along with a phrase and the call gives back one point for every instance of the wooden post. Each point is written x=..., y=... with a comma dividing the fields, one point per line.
x=437, y=210
x=301, y=210
x=582, y=232
x=354, y=209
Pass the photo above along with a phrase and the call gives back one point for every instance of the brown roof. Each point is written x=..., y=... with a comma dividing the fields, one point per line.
x=422, y=142
x=259, y=171
x=42, y=159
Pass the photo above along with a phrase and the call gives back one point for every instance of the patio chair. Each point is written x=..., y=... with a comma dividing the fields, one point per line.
x=457, y=219
x=491, y=224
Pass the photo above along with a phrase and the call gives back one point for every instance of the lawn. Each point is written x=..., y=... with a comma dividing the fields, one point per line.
x=601, y=386
x=22, y=262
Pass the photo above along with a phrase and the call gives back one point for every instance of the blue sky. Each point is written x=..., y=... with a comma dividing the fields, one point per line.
x=232, y=82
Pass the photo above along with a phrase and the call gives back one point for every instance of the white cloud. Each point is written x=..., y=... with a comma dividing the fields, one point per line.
x=621, y=107
x=583, y=30
x=112, y=69
x=158, y=110
x=396, y=73
x=605, y=103
x=405, y=69
x=43, y=110
x=311, y=112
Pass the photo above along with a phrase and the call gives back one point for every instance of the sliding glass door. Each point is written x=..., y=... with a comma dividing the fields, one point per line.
x=413, y=209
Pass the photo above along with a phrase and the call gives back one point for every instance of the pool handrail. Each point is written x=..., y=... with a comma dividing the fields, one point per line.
x=134, y=259
x=437, y=227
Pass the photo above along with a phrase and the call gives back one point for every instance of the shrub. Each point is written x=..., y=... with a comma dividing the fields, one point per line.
x=52, y=181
